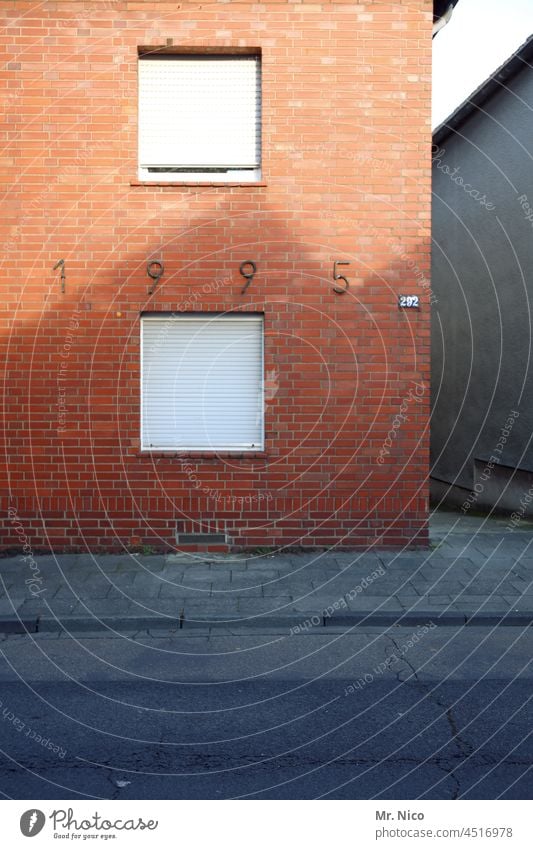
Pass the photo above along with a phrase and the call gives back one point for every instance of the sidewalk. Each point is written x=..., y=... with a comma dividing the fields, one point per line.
x=477, y=572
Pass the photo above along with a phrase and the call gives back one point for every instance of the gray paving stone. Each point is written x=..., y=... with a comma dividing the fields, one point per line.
x=518, y=603
x=501, y=561
x=100, y=607
x=62, y=608
x=521, y=586
x=211, y=607
x=311, y=601
x=169, y=573
x=200, y=573
x=412, y=602
x=470, y=568
x=113, y=561
x=262, y=561
x=134, y=593
x=236, y=566
x=38, y=608
x=15, y=576
x=399, y=560
x=349, y=576
x=367, y=602
x=238, y=592
x=201, y=585
x=486, y=607
x=229, y=560
x=275, y=590
x=482, y=586
x=359, y=560
x=9, y=606
x=525, y=572
x=62, y=591
x=151, y=562
x=278, y=598
x=373, y=591
x=521, y=582
x=98, y=584
x=437, y=559
x=430, y=573
x=524, y=559
x=185, y=591
x=478, y=598
x=475, y=556
x=526, y=594
x=288, y=567
x=267, y=606
x=463, y=571
x=438, y=587
x=226, y=585
x=307, y=558
x=306, y=573
x=295, y=586
x=147, y=581
x=183, y=559
x=123, y=579
x=518, y=540
x=254, y=577
x=151, y=607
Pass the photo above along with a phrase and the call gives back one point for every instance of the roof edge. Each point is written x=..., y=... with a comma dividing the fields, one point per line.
x=510, y=68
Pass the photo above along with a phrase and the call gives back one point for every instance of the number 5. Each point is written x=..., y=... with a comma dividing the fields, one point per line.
x=340, y=290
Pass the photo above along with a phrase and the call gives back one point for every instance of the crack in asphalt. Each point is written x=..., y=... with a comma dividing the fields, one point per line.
x=465, y=750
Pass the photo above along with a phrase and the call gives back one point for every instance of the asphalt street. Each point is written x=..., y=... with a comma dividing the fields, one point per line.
x=389, y=713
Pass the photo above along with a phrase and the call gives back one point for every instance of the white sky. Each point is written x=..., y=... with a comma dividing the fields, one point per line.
x=481, y=35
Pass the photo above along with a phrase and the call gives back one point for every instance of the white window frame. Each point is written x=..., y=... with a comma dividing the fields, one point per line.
x=216, y=173
x=181, y=317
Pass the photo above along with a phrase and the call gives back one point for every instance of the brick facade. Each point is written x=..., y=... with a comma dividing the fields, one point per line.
x=346, y=176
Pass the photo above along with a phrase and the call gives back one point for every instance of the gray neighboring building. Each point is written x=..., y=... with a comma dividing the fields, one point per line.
x=482, y=296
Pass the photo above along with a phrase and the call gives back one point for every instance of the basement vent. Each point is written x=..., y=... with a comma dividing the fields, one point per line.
x=201, y=538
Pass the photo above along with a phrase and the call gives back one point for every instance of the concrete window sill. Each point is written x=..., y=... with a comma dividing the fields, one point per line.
x=178, y=184
x=203, y=455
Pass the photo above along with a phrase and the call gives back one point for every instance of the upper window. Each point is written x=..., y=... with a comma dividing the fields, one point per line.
x=202, y=381
x=199, y=117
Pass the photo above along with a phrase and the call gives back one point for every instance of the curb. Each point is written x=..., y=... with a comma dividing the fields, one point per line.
x=288, y=622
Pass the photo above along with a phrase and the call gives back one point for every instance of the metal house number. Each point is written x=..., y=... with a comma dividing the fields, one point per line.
x=61, y=264
x=248, y=269
x=248, y=275
x=340, y=290
x=155, y=270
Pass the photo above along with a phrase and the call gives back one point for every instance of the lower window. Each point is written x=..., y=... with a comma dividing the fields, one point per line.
x=202, y=382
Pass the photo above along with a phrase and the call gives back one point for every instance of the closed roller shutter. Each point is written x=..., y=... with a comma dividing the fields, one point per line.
x=199, y=112
x=202, y=382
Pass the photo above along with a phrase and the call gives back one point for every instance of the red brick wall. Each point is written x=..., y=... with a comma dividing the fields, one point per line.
x=346, y=176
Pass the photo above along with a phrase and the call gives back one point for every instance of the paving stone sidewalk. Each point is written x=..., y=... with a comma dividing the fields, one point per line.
x=476, y=572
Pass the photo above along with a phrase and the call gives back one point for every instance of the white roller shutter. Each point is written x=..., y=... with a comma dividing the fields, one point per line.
x=199, y=112
x=202, y=382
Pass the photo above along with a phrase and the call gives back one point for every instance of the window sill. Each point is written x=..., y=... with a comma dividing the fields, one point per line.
x=178, y=184
x=203, y=455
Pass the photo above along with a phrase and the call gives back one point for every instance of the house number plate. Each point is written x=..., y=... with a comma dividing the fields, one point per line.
x=408, y=301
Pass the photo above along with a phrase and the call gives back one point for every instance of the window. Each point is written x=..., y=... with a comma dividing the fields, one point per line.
x=199, y=117
x=202, y=382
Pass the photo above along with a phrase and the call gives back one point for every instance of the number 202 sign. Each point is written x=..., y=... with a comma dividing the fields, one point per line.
x=408, y=302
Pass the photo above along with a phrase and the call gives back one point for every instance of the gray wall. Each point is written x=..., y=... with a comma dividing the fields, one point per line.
x=482, y=280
